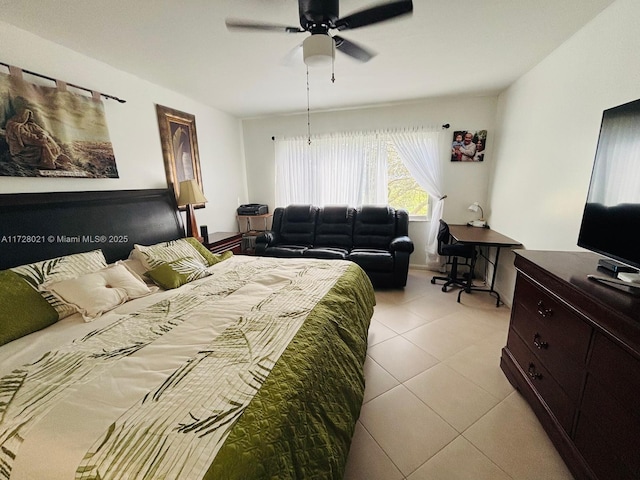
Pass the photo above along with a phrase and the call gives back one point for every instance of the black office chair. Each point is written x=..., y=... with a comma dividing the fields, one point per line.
x=454, y=252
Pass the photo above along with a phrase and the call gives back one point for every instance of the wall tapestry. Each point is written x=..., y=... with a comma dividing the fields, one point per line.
x=52, y=132
x=468, y=146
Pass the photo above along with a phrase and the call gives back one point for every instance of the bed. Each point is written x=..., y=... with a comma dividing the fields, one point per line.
x=237, y=367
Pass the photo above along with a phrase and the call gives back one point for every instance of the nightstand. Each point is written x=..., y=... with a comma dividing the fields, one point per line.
x=219, y=242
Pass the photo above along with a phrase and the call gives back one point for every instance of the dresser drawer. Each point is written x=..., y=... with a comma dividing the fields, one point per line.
x=548, y=346
x=556, y=324
x=554, y=396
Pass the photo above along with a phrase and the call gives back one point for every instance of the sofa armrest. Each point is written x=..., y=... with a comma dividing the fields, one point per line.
x=267, y=238
x=264, y=240
x=401, y=244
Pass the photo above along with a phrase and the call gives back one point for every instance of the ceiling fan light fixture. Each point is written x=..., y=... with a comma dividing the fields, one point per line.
x=318, y=50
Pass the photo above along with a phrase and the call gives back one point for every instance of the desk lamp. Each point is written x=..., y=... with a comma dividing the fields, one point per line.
x=474, y=207
x=191, y=194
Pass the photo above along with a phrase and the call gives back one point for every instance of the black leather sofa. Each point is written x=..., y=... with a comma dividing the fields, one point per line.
x=374, y=237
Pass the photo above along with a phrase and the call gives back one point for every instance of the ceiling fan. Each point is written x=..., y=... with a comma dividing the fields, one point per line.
x=318, y=17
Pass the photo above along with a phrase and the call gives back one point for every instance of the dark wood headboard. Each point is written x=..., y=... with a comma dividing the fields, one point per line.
x=37, y=226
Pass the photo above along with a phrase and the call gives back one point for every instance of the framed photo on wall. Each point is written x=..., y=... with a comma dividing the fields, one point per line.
x=179, y=147
x=468, y=145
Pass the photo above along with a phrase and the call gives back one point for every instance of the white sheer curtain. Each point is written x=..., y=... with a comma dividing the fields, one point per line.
x=419, y=153
x=345, y=168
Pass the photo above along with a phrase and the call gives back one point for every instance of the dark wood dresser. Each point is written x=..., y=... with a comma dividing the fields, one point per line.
x=573, y=351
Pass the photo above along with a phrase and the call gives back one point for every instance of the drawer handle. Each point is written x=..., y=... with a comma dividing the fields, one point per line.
x=532, y=372
x=543, y=311
x=538, y=343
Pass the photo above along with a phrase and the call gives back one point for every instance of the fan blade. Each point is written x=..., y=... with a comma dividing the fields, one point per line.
x=239, y=24
x=293, y=57
x=352, y=49
x=375, y=15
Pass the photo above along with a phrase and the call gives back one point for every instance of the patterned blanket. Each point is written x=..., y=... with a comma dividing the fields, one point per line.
x=253, y=373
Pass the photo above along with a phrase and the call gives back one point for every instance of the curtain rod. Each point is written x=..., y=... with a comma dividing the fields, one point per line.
x=446, y=125
x=111, y=97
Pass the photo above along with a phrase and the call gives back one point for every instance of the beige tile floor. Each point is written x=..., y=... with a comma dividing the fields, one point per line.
x=437, y=406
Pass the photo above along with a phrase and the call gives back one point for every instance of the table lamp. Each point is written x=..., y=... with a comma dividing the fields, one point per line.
x=191, y=194
x=481, y=222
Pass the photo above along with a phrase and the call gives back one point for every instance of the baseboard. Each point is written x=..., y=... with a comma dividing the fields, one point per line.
x=419, y=267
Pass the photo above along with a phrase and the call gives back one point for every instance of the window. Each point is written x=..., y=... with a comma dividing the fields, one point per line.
x=346, y=168
x=404, y=191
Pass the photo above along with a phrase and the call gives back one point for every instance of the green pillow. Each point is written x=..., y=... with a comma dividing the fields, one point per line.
x=211, y=258
x=178, y=272
x=24, y=310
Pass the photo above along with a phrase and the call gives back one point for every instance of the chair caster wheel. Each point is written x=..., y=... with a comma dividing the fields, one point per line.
x=433, y=282
x=444, y=289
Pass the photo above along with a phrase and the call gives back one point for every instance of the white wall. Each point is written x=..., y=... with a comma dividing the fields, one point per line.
x=543, y=132
x=465, y=183
x=548, y=125
x=133, y=128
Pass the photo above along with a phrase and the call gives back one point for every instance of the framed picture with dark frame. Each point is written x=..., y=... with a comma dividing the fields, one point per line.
x=179, y=148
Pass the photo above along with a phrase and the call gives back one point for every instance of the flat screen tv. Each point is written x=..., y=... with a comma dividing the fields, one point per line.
x=611, y=218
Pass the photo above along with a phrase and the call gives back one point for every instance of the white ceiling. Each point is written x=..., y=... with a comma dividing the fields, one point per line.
x=447, y=47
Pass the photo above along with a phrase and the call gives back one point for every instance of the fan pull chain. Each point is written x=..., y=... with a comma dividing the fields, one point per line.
x=308, y=113
x=333, y=63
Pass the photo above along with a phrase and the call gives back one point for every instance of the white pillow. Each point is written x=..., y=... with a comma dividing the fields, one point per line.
x=137, y=268
x=96, y=293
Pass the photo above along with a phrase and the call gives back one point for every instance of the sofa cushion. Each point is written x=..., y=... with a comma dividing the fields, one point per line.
x=298, y=225
x=374, y=227
x=334, y=227
x=326, y=252
x=372, y=259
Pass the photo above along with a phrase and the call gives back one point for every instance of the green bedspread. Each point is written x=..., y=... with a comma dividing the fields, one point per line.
x=256, y=372
x=300, y=424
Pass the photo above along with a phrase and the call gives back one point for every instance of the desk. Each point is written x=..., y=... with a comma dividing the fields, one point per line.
x=483, y=237
x=247, y=223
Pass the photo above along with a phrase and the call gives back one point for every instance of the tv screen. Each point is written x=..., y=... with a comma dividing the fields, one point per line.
x=611, y=217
